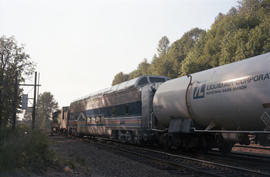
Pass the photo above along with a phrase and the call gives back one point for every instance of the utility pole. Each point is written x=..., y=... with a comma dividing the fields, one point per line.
x=34, y=103
x=1, y=88
x=15, y=100
x=35, y=85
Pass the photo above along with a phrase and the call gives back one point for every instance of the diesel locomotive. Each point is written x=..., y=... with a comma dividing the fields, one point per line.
x=215, y=108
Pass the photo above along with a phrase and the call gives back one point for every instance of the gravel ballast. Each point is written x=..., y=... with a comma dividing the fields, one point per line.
x=92, y=160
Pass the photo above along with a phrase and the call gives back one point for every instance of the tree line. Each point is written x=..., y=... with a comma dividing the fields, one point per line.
x=243, y=32
x=15, y=68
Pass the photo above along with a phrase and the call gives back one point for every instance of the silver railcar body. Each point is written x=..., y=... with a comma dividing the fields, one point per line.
x=235, y=96
x=121, y=110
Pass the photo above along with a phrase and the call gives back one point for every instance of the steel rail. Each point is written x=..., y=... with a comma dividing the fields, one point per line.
x=253, y=147
x=158, y=160
x=187, y=158
x=258, y=172
x=174, y=164
x=230, y=131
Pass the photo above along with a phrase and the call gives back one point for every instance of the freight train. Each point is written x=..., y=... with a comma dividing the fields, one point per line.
x=215, y=108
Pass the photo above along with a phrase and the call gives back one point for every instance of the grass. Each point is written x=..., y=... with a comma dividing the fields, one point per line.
x=25, y=150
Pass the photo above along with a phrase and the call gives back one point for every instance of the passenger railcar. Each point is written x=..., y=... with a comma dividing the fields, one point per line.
x=122, y=111
x=55, y=123
x=60, y=120
x=64, y=120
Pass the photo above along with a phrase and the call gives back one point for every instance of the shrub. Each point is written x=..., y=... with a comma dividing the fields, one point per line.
x=24, y=149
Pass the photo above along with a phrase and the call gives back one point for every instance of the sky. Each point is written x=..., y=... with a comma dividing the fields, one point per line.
x=78, y=46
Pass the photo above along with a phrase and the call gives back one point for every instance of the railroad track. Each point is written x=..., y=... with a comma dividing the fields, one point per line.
x=253, y=162
x=183, y=164
x=253, y=147
x=244, y=156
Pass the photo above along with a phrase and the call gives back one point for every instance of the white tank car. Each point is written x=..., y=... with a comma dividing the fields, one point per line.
x=235, y=96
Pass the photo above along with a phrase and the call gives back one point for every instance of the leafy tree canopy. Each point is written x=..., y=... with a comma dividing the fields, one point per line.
x=46, y=105
x=120, y=77
x=13, y=62
x=241, y=33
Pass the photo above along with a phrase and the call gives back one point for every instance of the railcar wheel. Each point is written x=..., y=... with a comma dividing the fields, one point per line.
x=164, y=141
x=226, y=147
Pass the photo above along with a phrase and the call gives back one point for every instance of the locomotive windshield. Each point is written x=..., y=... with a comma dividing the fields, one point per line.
x=156, y=79
x=146, y=79
x=143, y=81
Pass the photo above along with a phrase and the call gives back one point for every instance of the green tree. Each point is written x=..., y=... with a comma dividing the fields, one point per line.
x=180, y=48
x=13, y=61
x=160, y=64
x=142, y=69
x=243, y=32
x=120, y=77
x=135, y=73
x=249, y=7
x=46, y=105
x=163, y=46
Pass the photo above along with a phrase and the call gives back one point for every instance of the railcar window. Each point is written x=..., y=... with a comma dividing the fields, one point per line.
x=102, y=120
x=156, y=79
x=143, y=81
x=113, y=111
x=93, y=120
x=126, y=108
x=108, y=112
x=73, y=117
x=97, y=120
x=88, y=120
x=135, y=108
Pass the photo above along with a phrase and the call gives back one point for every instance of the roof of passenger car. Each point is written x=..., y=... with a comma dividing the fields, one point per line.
x=118, y=87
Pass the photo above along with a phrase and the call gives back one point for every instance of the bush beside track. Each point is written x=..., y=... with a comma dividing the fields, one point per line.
x=24, y=150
